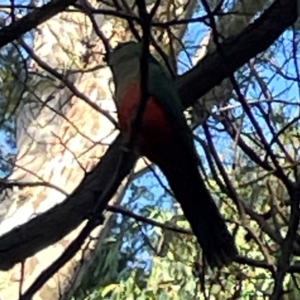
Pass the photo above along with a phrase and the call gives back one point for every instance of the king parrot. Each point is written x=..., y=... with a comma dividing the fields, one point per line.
x=165, y=139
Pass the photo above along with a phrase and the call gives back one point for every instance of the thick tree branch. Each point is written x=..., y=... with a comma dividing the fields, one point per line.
x=32, y=20
x=51, y=226
x=255, y=38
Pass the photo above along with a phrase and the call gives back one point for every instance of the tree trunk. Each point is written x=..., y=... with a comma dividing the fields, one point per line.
x=60, y=137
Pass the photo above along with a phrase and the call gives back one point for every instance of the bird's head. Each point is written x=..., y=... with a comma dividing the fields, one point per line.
x=124, y=52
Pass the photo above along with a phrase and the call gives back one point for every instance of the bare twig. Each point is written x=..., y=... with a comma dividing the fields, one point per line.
x=140, y=218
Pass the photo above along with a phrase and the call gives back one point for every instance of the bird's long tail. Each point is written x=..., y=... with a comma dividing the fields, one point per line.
x=198, y=206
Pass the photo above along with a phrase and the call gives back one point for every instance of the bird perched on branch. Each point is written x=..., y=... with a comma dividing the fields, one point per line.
x=163, y=136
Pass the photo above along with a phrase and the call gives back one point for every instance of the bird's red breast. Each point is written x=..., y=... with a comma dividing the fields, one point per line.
x=155, y=129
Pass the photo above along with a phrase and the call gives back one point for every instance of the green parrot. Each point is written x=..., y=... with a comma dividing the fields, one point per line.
x=165, y=139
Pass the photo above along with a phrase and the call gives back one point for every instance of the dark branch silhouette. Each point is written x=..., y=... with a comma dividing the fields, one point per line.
x=9, y=33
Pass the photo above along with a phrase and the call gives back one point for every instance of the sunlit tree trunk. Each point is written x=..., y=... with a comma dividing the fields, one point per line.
x=59, y=138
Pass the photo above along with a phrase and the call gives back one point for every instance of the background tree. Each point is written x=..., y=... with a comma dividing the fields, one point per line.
x=56, y=102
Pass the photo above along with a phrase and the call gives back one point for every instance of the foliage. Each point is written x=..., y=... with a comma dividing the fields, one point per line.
x=13, y=73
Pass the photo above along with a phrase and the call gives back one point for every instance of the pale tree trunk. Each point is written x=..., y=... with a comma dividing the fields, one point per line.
x=60, y=137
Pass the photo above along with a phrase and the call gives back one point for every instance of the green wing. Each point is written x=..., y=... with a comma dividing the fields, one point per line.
x=164, y=90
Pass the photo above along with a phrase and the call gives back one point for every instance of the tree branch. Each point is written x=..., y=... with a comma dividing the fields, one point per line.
x=255, y=38
x=32, y=20
x=51, y=226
